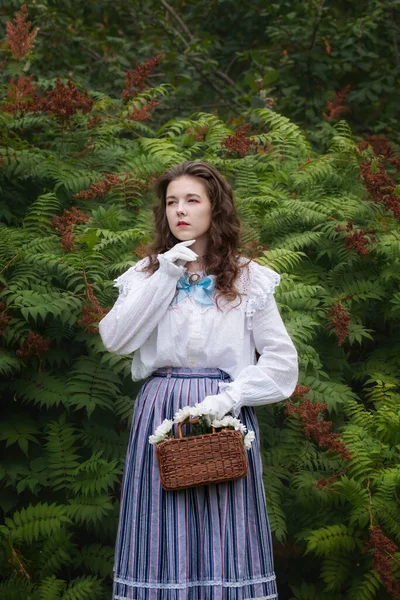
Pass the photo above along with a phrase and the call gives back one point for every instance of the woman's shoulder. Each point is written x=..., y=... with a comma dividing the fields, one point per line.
x=257, y=278
x=132, y=274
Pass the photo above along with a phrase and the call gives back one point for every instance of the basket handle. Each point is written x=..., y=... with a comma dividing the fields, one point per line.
x=190, y=422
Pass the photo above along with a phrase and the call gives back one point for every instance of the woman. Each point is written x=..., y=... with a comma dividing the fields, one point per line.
x=195, y=312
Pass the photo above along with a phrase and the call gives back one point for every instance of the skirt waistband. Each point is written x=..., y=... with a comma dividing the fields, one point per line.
x=186, y=372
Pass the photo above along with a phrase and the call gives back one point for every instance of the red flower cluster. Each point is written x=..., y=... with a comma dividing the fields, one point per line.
x=356, y=239
x=63, y=102
x=34, y=345
x=99, y=189
x=336, y=107
x=66, y=100
x=65, y=225
x=383, y=550
x=143, y=113
x=381, y=186
x=4, y=320
x=22, y=96
x=238, y=142
x=94, y=121
x=135, y=79
x=340, y=321
x=92, y=312
x=20, y=39
x=382, y=146
x=325, y=481
x=316, y=428
x=300, y=391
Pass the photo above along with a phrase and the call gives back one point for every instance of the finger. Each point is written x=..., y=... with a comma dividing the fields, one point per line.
x=186, y=252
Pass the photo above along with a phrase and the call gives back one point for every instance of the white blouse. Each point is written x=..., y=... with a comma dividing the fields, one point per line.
x=189, y=334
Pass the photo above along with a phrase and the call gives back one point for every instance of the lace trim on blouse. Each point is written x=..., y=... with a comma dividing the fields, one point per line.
x=255, y=282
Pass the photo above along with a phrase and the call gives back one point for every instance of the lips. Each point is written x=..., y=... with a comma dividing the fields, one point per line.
x=180, y=223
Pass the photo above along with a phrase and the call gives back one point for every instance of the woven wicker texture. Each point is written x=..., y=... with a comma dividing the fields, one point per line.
x=201, y=459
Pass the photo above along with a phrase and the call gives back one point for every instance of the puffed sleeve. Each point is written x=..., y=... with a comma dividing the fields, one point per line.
x=143, y=299
x=275, y=375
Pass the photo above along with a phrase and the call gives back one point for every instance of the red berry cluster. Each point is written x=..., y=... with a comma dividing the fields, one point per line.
x=324, y=482
x=339, y=321
x=381, y=186
x=65, y=224
x=35, y=344
x=315, y=427
x=20, y=38
x=238, y=142
x=22, y=96
x=383, y=550
x=92, y=311
x=64, y=101
x=4, y=319
x=100, y=188
x=356, y=239
x=143, y=113
x=300, y=391
x=135, y=79
x=337, y=106
x=382, y=146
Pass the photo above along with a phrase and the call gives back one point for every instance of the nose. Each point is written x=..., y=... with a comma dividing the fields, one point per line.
x=181, y=210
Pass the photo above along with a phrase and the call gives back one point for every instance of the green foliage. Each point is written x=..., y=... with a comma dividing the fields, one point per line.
x=69, y=402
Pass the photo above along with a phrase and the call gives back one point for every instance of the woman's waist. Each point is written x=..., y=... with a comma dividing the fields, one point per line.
x=189, y=372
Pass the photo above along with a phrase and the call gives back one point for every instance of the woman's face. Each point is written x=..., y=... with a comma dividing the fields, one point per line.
x=187, y=200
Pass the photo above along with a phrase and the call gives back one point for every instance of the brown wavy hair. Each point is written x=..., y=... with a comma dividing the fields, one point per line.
x=222, y=255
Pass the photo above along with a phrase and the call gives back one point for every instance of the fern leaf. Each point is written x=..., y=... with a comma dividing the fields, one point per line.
x=35, y=522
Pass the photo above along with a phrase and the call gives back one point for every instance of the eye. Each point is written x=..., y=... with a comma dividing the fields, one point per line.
x=193, y=200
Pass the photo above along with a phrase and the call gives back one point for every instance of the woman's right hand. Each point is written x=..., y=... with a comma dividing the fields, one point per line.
x=180, y=253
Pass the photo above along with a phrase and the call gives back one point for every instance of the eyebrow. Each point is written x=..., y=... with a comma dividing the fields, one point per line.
x=190, y=194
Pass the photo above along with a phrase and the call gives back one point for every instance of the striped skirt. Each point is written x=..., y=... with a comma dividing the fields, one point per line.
x=209, y=542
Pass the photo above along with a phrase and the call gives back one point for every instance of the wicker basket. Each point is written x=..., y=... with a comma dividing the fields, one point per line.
x=201, y=459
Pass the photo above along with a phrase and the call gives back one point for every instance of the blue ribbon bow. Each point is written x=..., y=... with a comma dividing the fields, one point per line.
x=202, y=290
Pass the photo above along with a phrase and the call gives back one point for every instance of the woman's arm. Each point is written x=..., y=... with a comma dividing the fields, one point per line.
x=275, y=375
x=142, y=301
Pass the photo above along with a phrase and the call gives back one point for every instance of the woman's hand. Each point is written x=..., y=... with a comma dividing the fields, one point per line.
x=180, y=253
x=217, y=405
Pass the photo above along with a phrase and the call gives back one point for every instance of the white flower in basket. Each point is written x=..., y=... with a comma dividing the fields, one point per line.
x=184, y=414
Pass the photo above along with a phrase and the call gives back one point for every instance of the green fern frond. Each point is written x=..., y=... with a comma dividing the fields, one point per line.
x=280, y=259
x=50, y=588
x=19, y=431
x=40, y=213
x=366, y=587
x=97, y=559
x=92, y=385
x=334, y=538
x=56, y=552
x=35, y=522
x=95, y=475
x=61, y=457
x=84, y=588
x=90, y=510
